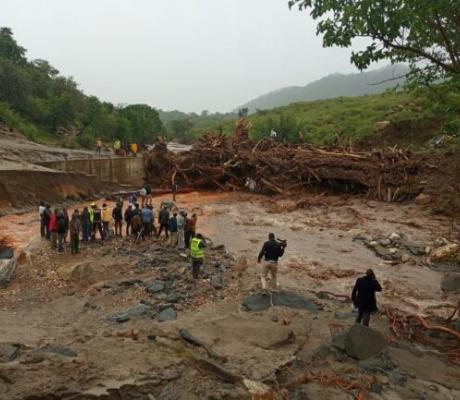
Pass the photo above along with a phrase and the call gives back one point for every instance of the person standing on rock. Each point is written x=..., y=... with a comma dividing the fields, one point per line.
x=147, y=218
x=363, y=296
x=174, y=188
x=75, y=228
x=271, y=251
x=190, y=229
x=197, y=246
x=62, y=227
x=52, y=228
x=136, y=225
x=143, y=196
x=172, y=228
x=41, y=214
x=181, y=221
x=163, y=219
x=106, y=218
x=46, y=221
x=117, y=215
x=128, y=217
x=98, y=147
x=85, y=224
x=67, y=223
x=97, y=222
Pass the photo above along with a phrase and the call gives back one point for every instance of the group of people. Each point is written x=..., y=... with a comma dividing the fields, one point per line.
x=118, y=148
x=177, y=227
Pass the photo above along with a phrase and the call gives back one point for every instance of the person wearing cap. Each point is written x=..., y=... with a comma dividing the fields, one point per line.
x=271, y=251
x=106, y=218
x=97, y=222
x=363, y=296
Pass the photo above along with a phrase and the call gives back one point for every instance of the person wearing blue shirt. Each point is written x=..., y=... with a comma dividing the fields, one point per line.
x=172, y=228
x=147, y=218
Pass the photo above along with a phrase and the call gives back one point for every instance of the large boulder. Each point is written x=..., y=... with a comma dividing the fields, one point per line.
x=85, y=272
x=450, y=282
x=423, y=199
x=360, y=342
x=449, y=252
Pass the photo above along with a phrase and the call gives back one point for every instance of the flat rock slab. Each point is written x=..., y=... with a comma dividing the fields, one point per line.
x=263, y=301
x=8, y=352
x=139, y=310
x=60, y=350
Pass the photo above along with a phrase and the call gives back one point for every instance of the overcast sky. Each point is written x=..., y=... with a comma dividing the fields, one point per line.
x=190, y=55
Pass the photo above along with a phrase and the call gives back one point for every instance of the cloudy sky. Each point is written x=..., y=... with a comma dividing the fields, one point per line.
x=190, y=55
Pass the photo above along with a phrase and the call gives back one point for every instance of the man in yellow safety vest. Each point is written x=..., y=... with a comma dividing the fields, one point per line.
x=197, y=246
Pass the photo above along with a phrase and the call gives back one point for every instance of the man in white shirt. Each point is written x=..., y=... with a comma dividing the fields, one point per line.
x=41, y=213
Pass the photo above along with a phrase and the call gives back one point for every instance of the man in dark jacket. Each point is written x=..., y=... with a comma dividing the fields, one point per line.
x=163, y=219
x=46, y=220
x=62, y=226
x=97, y=223
x=271, y=251
x=75, y=228
x=128, y=218
x=363, y=296
x=117, y=215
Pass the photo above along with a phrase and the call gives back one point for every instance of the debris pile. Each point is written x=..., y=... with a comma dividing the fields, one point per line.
x=269, y=167
x=396, y=248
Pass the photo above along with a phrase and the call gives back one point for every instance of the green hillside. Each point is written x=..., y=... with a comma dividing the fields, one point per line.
x=333, y=86
x=413, y=118
x=48, y=107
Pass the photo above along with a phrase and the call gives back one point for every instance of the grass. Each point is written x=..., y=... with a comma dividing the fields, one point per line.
x=351, y=118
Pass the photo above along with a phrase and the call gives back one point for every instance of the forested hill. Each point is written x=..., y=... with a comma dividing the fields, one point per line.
x=332, y=86
x=48, y=107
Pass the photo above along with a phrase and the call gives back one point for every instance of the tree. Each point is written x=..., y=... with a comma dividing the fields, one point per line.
x=180, y=128
x=9, y=49
x=144, y=121
x=423, y=33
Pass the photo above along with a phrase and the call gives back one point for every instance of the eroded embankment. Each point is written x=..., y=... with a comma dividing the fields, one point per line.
x=22, y=188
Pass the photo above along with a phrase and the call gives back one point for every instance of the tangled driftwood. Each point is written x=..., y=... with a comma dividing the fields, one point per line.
x=220, y=162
